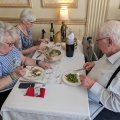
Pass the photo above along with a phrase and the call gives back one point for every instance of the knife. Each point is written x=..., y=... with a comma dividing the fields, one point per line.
x=39, y=55
x=31, y=82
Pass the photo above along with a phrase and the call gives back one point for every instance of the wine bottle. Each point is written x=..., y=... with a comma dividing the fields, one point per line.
x=51, y=32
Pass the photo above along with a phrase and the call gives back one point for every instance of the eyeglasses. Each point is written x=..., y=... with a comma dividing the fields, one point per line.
x=32, y=22
x=101, y=39
x=10, y=44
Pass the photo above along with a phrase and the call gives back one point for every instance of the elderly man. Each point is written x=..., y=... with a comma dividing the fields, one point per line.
x=12, y=61
x=102, y=86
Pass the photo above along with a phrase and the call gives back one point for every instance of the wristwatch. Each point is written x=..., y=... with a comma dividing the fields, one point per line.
x=37, y=62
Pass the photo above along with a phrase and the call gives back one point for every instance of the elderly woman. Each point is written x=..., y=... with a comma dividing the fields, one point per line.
x=103, y=80
x=12, y=61
x=27, y=19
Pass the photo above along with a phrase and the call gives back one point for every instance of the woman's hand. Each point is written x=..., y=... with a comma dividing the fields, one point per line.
x=44, y=65
x=44, y=40
x=86, y=81
x=40, y=47
x=19, y=72
x=88, y=65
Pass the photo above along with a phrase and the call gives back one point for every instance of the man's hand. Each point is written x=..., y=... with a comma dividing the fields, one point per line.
x=88, y=65
x=86, y=81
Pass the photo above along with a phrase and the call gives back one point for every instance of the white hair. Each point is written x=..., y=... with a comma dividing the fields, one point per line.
x=6, y=29
x=110, y=29
x=27, y=15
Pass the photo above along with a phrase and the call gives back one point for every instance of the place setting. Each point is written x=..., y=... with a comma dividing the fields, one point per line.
x=53, y=74
x=34, y=74
x=39, y=75
x=72, y=77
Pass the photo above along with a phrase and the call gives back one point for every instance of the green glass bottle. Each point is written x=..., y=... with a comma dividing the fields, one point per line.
x=51, y=32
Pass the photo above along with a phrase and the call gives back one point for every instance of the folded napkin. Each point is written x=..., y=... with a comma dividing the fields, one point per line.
x=36, y=92
x=70, y=38
x=30, y=91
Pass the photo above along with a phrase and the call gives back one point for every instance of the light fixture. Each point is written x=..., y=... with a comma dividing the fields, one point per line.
x=63, y=16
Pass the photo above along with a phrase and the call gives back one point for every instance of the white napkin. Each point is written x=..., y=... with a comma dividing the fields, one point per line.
x=70, y=38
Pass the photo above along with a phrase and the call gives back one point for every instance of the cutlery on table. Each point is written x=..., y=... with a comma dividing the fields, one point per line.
x=79, y=69
x=31, y=82
x=39, y=55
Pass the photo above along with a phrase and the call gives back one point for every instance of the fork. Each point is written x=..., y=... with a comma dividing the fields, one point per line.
x=79, y=69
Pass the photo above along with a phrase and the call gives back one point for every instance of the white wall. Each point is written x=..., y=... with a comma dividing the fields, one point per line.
x=78, y=17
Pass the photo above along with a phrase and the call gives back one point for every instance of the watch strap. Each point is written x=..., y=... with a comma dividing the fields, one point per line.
x=37, y=62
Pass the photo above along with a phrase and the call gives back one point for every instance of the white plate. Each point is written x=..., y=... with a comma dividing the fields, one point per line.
x=55, y=58
x=28, y=73
x=69, y=83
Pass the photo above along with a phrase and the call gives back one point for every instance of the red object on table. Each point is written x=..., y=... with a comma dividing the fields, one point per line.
x=30, y=91
x=42, y=92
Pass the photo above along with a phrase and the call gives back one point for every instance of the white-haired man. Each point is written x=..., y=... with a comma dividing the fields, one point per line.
x=103, y=86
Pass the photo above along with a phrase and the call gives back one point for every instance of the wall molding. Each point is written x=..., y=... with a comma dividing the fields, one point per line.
x=56, y=3
x=47, y=21
x=17, y=4
x=113, y=19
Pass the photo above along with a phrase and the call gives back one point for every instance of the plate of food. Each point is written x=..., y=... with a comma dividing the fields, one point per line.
x=34, y=73
x=52, y=54
x=71, y=78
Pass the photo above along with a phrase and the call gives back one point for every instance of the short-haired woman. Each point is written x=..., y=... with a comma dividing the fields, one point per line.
x=12, y=61
x=27, y=19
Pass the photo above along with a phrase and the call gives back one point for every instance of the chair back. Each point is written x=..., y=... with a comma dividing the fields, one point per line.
x=88, y=49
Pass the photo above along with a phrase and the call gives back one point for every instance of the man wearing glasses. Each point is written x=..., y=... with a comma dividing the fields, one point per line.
x=12, y=61
x=103, y=81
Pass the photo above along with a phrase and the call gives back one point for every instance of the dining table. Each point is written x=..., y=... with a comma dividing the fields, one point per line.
x=62, y=101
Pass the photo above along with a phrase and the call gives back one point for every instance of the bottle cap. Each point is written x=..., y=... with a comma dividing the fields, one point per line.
x=43, y=85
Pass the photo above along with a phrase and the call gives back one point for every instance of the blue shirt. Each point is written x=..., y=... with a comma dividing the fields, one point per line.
x=27, y=41
x=8, y=63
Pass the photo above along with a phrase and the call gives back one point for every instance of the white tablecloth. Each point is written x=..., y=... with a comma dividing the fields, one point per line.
x=61, y=101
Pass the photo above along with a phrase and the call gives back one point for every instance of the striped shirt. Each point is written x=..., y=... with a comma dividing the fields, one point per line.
x=8, y=63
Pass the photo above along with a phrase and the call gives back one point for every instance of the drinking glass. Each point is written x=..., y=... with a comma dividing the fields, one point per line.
x=56, y=70
x=58, y=44
x=48, y=75
x=48, y=71
x=56, y=75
